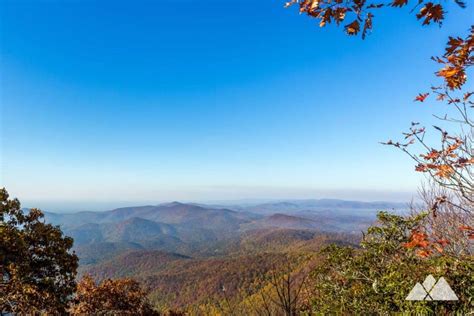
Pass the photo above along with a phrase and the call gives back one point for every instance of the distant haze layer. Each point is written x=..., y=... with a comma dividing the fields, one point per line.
x=97, y=204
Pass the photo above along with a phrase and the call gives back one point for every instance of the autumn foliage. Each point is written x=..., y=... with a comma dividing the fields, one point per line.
x=449, y=165
x=111, y=297
x=441, y=239
x=457, y=58
x=37, y=269
x=357, y=15
x=376, y=279
x=38, y=272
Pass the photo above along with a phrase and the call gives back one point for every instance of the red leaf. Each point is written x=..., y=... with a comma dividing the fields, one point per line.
x=421, y=97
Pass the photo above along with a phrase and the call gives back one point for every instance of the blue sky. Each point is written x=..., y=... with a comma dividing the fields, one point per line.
x=208, y=100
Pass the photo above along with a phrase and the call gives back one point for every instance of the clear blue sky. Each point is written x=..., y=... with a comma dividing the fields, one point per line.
x=208, y=100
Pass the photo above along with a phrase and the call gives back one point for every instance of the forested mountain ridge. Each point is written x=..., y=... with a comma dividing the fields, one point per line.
x=174, y=247
x=181, y=282
x=190, y=229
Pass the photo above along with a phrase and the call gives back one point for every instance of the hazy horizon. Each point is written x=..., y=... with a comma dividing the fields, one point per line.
x=59, y=206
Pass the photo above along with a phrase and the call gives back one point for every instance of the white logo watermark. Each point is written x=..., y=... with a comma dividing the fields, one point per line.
x=432, y=290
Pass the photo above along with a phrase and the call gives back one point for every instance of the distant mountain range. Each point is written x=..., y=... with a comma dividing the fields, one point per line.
x=293, y=206
x=174, y=227
x=192, y=228
x=185, y=252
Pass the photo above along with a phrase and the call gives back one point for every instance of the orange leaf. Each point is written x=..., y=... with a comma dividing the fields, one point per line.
x=438, y=248
x=448, y=72
x=433, y=155
x=423, y=253
x=444, y=171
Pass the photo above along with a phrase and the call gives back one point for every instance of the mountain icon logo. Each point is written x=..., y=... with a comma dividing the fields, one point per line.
x=432, y=290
